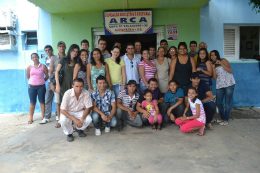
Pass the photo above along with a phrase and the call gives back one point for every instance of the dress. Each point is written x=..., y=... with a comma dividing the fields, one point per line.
x=68, y=76
x=163, y=74
x=95, y=73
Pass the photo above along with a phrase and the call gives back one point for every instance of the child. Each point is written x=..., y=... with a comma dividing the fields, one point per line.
x=174, y=97
x=198, y=120
x=152, y=108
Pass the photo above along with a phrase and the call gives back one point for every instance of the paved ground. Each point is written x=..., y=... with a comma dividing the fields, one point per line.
x=43, y=148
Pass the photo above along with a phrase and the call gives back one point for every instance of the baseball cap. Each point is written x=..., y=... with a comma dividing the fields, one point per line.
x=131, y=82
x=61, y=42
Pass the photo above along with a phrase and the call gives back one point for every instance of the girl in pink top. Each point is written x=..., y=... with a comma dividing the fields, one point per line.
x=152, y=108
x=35, y=74
x=198, y=120
x=147, y=70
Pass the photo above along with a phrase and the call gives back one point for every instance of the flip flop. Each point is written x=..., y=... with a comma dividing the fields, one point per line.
x=30, y=122
x=57, y=125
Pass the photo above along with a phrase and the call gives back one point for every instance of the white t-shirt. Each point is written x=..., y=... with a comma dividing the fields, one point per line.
x=202, y=117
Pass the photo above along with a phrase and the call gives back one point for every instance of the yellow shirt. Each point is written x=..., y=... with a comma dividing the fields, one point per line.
x=196, y=57
x=115, y=71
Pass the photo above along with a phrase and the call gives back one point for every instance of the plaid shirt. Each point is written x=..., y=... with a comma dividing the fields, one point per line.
x=103, y=104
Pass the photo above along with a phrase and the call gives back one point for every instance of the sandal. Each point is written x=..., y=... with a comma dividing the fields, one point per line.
x=30, y=122
x=159, y=127
x=219, y=120
x=201, y=131
x=154, y=127
x=57, y=125
x=223, y=124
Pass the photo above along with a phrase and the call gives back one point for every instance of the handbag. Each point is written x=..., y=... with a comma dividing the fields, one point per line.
x=61, y=75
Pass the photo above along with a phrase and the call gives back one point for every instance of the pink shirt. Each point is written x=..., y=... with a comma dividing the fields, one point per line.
x=37, y=75
x=148, y=70
x=150, y=107
x=202, y=117
x=71, y=104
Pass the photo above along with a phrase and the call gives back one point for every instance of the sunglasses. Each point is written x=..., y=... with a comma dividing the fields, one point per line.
x=131, y=104
x=132, y=64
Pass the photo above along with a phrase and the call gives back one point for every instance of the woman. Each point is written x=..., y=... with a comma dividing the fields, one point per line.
x=182, y=67
x=204, y=67
x=147, y=70
x=35, y=74
x=163, y=66
x=116, y=70
x=81, y=67
x=225, y=85
x=69, y=63
x=96, y=67
x=172, y=53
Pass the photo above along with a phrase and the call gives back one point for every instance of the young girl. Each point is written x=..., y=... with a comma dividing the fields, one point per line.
x=198, y=120
x=152, y=108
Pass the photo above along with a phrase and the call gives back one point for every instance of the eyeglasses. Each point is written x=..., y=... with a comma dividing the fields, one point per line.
x=172, y=50
x=160, y=50
x=102, y=44
x=131, y=104
x=132, y=64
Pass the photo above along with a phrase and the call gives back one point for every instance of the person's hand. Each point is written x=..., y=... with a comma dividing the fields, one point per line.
x=91, y=90
x=110, y=88
x=58, y=89
x=199, y=69
x=104, y=117
x=155, y=119
x=146, y=114
x=213, y=66
x=183, y=118
x=108, y=119
x=156, y=101
x=78, y=123
x=132, y=117
x=131, y=114
x=169, y=111
x=52, y=87
x=167, y=88
x=218, y=62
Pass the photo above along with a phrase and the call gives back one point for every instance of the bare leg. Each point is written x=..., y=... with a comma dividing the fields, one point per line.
x=32, y=107
x=201, y=131
x=42, y=109
x=172, y=117
x=58, y=110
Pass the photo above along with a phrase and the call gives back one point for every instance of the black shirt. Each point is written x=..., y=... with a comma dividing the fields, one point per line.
x=157, y=95
x=202, y=89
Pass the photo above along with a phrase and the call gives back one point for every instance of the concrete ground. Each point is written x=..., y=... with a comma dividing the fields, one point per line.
x=43, y=148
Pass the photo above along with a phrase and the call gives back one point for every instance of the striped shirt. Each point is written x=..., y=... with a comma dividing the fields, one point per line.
x=148, y=70
x=127, y=101
x=131, y=68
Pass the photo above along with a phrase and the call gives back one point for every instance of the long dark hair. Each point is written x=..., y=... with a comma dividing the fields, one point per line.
x=118, y=59
x=93, y=62
x=82, y=66
x=196, y=91
x=68, y=58
x=207, y=55
x=216, y=54
x=143, y=52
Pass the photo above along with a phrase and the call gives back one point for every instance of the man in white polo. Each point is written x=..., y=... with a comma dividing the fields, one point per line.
x=72, y=108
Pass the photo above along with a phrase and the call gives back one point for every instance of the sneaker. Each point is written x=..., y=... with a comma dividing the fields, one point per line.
x=81, y=133
x=44, y=121
x=98, y=132
x=107, y=129
x=209, y=126
x=57, y=118
x=70, y=138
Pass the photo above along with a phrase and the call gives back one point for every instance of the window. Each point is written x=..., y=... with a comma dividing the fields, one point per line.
x=30, y=40
x=231, y=42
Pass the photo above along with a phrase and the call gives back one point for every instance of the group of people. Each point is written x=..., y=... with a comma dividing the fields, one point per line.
x=138, y=88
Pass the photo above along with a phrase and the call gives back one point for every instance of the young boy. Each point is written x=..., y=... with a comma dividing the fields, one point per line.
x=175, y=98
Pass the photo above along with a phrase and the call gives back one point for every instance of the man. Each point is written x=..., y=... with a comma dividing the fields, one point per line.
x=152, y=52
x=164, y=44
x=138, y=48
x=157, y=95
x=193, y=49
x=74, y=101
x=126, y=107
x=102, y=44
x=201, y=45
x=52, y=68
x=104, y=106
x=118, y=44
x=84, y=44
x=206, y=97
x=131, y=65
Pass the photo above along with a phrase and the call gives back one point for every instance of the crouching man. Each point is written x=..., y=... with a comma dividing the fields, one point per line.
x=72, y=108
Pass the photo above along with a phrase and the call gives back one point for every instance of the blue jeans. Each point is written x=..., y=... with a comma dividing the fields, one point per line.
x=35, y=91
x=116, y=90
x=228, y=93
x=142, y=87
x=96, y=119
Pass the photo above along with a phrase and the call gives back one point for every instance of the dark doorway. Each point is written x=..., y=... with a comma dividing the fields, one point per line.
x=146, y=40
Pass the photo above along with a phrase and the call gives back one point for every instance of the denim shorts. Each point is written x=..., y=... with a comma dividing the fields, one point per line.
x=35, y=91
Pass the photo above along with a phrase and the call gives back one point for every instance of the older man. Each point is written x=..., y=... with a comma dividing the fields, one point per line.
x=104, y=106
x=72, y=108
x=201, y=45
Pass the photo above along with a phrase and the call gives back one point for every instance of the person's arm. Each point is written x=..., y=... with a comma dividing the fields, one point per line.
x=123, y=75
x=142, y=74
x=75, y=71
x=119, y=105
x=89, y=77
x=76, y=121
x=186, y=109
x=160, y=96
x=95, y=108
x=57, y=78
x=113, y=111
x=108, y=77
x=186, y=100
x=209, y=97
x=172, y=70
x=225, y=64
x=45, y=72
x=214, y=74
x=28, y=72
x=197, y=113
x=141, y=110
x=157, y=112
x=156, y=75
x=51, y=71
x=193, y=64
x=177, y=104
x=207, y=72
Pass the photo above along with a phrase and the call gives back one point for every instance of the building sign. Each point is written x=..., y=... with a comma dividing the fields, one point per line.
x=172, y=32
x=128, y=22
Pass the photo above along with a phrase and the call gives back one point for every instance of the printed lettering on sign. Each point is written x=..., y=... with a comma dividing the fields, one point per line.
x=128, y=22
